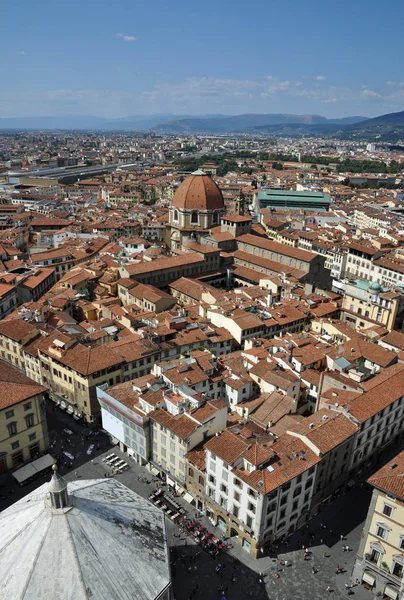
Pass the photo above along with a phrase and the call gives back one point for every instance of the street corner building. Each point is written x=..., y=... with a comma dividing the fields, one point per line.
x=86, y=539
x=379, y=565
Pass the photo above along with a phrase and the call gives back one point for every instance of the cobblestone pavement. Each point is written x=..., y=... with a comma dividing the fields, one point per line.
x=344, y=516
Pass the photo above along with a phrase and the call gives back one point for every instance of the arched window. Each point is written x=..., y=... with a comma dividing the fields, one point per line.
x=215, y=217
x=175, y=215
x=194, y=217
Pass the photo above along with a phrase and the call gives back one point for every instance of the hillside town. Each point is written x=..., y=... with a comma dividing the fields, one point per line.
x=228, y=311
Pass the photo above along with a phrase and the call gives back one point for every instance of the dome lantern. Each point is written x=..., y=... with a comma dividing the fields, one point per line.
x=58, y=490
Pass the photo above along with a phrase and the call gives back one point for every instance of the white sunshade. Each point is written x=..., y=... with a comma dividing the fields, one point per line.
x=368, y=578
x=391, y=592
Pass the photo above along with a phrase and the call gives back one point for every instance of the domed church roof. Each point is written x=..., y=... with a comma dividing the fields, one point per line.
x=106, y=542
x=375, y=287
x=198, y=192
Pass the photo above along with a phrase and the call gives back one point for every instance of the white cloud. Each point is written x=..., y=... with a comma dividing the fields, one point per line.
x=196, y=95
x=370, y=93
x=320, y=78
x=126, y=38
x=201, y=89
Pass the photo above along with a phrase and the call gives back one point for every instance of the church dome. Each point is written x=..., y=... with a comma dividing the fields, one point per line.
x=107, y=543
x=375, y=287
x=198, y=192
x=155, y=251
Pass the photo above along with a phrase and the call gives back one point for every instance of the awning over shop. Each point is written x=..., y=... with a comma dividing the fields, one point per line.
x=154, y=471
x=188, y=498
x=180, y=491
x=368, y=578
x=70, y=410
x=391, y=592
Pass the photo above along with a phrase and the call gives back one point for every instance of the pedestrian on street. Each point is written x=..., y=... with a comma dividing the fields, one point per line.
x=325, y=554
x=76, y=473
x=313, y=570
x=342, y=537
x=328, y=588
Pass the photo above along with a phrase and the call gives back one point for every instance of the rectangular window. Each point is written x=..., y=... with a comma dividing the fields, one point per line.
x=381, y=532
x=17, y=459
x=32, y=437
x=235, y=510
x=15, y=445
x=269, y=522
x=28, y=406
x=271, y=508
x=237, y=496
x=9, y=414
x=251, y=507
x=12, y=428
x=29, y=420
x=387, y=510
x=398, y=570
x=249, y=521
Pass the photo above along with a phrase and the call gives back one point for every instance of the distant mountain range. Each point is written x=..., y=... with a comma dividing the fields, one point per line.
x=249, y=122
x=388, y=127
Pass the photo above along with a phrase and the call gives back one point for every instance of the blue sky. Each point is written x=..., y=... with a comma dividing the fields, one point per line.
x=127, y=57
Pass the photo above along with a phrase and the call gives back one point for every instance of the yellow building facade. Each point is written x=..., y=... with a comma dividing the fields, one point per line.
x=380, y=561
x=23, y=428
